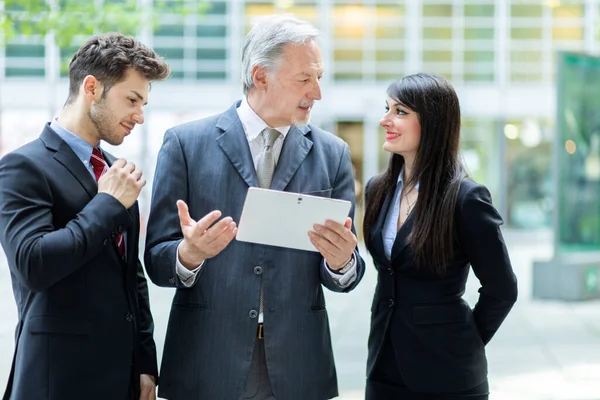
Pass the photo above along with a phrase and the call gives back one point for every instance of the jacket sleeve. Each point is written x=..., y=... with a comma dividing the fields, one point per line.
x=39, y=254
x=344, y=189
x=147, y=360
x=164, y=231
x=484, y=245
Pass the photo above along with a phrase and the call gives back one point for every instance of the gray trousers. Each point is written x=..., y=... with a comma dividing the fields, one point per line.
x=258, y=385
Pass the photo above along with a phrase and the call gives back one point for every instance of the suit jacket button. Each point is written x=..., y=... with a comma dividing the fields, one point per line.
x=105, y=241
x=391, y=302
x=253, y=314
x=172, y=281
x=258, y=270
x=128, y=317
x=391, y=270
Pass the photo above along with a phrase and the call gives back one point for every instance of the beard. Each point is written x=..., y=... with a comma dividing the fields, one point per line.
x=105, y=122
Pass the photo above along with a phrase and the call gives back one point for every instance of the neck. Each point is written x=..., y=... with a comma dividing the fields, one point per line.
x=408, y=167
x=74, y=118
x=261, y=107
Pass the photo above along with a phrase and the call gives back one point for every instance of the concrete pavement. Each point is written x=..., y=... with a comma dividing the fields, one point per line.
x=544, y=351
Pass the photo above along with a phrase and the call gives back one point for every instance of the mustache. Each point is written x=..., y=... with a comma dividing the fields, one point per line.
x=306, y=104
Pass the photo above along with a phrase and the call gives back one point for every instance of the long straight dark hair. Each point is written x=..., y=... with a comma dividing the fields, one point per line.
x=437, y=169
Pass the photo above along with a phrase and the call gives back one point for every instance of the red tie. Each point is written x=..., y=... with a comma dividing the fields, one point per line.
x=100, y=167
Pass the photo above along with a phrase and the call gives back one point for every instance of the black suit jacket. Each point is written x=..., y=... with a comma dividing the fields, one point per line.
x=84, y=323
x=438, y=339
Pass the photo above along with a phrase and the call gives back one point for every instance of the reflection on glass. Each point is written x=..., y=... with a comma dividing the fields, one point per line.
x=579, y=159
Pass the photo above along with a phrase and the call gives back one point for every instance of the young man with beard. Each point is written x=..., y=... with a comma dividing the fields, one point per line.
x=248, y=320
x=69, y=225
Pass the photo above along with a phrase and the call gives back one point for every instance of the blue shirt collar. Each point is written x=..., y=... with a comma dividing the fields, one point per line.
x=80, y=147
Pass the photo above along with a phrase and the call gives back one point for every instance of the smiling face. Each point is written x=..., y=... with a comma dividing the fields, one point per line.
x=119, y=109
x=402, y=129
x=292, y=89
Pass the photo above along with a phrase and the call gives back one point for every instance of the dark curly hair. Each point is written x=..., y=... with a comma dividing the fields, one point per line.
x=108, y=57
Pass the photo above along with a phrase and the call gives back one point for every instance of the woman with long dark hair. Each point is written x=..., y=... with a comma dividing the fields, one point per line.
x=425, y=223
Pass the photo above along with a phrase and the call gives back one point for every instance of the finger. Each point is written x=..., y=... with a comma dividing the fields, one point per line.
x=348, y=223
x=328, y=234
x=217, y=229
x=184, y=214
x=141, y=183
x=322, y=247
x=224, y=238
x=137, y=174
x=208, y=220
x=129, y=167
x=120, y=163
x=152, y=395
x=338, y=228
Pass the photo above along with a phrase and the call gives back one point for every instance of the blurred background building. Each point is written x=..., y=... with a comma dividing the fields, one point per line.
x=499, y=54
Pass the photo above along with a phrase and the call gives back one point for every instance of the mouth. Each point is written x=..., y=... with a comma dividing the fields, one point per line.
x=305, y=108
x=127, y=128
x=389, y=136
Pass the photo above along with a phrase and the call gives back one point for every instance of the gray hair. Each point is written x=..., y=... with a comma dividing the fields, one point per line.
x=265, y=42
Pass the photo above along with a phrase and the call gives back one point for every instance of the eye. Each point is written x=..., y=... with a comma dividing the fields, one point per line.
x=400, y=111
x=132, y=100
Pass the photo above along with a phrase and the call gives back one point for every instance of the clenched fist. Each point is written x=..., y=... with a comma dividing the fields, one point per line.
x=123, y=181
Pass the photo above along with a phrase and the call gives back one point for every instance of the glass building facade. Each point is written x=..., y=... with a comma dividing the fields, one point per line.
x=499, y=54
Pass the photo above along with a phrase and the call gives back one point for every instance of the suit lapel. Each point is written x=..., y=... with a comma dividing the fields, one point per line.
x=295, y=149
x=401, y=242
x=234, y=144
x=67, y=157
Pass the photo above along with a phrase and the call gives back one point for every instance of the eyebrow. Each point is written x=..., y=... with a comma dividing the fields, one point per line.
x=139, y=96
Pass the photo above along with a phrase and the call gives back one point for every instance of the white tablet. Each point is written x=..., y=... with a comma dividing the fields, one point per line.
x=284, y=219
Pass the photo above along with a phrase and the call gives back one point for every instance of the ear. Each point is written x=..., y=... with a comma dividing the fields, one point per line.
x=259, y=77
x=91, y=88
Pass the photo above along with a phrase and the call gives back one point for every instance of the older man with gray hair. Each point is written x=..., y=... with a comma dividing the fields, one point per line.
x=249, y=321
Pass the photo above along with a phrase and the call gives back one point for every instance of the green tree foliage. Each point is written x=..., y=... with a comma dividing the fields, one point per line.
x=70, y=19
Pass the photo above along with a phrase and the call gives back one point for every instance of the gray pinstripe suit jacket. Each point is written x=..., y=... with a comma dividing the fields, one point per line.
x=212, y=326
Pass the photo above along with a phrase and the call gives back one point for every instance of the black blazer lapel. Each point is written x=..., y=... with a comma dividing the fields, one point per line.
x=295, y=149
x=377, y=230
x=401, y=241
x=67, y=157
x=234, y=144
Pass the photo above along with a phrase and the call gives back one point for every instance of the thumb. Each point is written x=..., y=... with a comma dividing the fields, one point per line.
x=348, y=223
x=184, y=214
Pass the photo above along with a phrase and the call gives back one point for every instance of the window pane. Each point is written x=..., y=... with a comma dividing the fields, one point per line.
x=211, y=54
x=437, y=33
x=348, y=55
x=169, y=30
x=211, y=31
x=475, y=56
x=437, y=10
x=216, y=7
x=567, y=33
x=479, y=77
x=568, y=11
x=211, y=75
x=526, y=10
x=437, y=56
x=479, y=10
x=349, y=21
x=24, y=72
x=389, y=32
x=526, y=33
x=526, y=56
x=170, y=52
x=389, y=55
x=479, y=33
x=25, y=50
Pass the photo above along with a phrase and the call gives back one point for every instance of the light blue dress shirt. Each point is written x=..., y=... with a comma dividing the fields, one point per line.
x=81, y=148
x=390, y=226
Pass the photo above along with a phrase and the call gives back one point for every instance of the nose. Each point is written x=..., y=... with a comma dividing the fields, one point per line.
x=138, y=117
x=384, y=122
x=316, y=92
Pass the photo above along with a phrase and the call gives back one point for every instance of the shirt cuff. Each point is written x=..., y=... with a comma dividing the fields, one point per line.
x=186, y=276
x=343, y=280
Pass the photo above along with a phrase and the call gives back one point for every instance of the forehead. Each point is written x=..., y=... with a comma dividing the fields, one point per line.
x=302, y=58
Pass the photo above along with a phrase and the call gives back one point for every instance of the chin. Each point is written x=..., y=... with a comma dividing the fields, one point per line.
x=300, y=122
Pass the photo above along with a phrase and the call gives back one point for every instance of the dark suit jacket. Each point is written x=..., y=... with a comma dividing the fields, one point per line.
x=438, y=340
x=212, y=326
x=84, y=323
